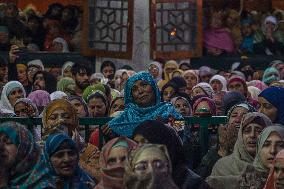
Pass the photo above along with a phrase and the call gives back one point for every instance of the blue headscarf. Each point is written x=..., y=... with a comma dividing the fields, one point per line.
x=275, y=96
x=45, y=171
x=133, y=115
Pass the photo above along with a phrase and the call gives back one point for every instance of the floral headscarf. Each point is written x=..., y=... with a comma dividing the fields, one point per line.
x=127, y=121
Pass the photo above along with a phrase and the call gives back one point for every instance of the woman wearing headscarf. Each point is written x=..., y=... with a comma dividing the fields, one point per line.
x=156, y=132
x=113, y=159
x=219, y=85
x=270, y=75
x=60, y=161
x=66, y=69
x=253, y=92
x=270, y=142
x=118, y=80
x=227, y=171
x=98, y=104
x=66, y=85
x=19, y=156
x=275, y=179
x=58, y=95
x=117, y=105
x=60, y=45
x=191, y=77
x=40, y=98
x=182, y=105
x=169, y=91
x=142, y=102
x=170, y=66
x=202, y=89
x=257, y=83
x=12, y=91
x=80, y=106
x=149, y=167
x=271, y=104
x=156, y=70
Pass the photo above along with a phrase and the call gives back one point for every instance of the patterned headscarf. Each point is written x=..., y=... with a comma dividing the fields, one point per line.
x=40, y=98
x=267, y=78
x=206, y=88
x=28, y=102
x=66, y=84
x=66, y=65
x=126, y=122
x=210, y=103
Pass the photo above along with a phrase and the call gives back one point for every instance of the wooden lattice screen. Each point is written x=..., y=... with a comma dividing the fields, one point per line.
x=108, y=28
x=176, y=28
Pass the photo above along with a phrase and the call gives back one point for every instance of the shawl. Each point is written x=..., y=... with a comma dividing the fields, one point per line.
x=220, y=39
x=80, y=179
x=173, y=63
x=159, y=68
x=108, y=179
x=57, y=95
x=5, y=104
x=127, y=121
x=40, y=98
x=270, y=180
x=221, y=79
x=28, y=102
x=22, y=173
x=66, y=65
x=275, y=96
x=227, y=170
x=257, y=83
x=267, y=78
x=54, y=105
x=150, y=180
x=261, y=140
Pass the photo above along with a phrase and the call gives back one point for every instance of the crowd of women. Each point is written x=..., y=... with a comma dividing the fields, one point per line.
x=146, y=144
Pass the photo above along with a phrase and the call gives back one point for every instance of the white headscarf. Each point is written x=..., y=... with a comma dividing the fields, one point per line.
x=66, y=65
x=159, y=68
x=5, y=104
x=57, y=95
x=221, y=79
x=37, y=63
x=63, y=42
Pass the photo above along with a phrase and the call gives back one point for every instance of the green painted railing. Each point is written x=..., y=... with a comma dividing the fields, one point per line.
x=202, y=121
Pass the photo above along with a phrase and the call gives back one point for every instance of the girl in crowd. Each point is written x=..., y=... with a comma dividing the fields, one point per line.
x=182, y=106
x=202, y=90
x=113, y=158
x=226, y=171
x=219, y=85
x=170, y=66
x=117, y=105
x=142, y=102
x=156, y=132
x=149, y=167
x=270, y=142
x=80, y=106
x=11, y=92
x=40, y=98
x=191, y=78
x=271, y=104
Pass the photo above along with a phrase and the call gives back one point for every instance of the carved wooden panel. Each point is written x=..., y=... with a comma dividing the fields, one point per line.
x=176, y=28
x=108, y=28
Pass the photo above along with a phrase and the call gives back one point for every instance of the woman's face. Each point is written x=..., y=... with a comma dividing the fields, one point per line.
x=216, y=85
x=279, y=173
x=57, y=47
x=108, y=72
x=197, y=91
x=39, y=82
x=60, y=117
x=14, y=95
x=117, y=156
x=24, y=110
x=237, y=116
x=80, y=110
x=97, y=107
x=143, y=94
x=8, y=152
x=168, y=93
x=267, y=109
x=118, y=105
x=65, y=162
x=151, y=160
x=169, y=69
x=237, y=86
x=67, y=72
x=22, y=75
x=154, y=70
x=273, y=144
x=190, y=79
x=250, y=135
x=182, y=106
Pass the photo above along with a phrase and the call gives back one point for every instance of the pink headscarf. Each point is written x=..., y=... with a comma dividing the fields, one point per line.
x=270, y=180
x=192, y=72
x=258, y=84
x=39, y=98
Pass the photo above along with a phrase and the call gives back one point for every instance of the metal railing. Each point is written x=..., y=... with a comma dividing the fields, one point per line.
x=203, y=121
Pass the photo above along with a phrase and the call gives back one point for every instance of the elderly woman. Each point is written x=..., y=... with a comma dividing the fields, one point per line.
x=60, y=116
x=149, y=167
x=275, y=179
x=142, y=102
x=156, y=132
x=227, y=170
x=60, y=161
x=18, y=156
x=113, y=158
x=11, y=92
x=270, y=142
x=156, y=70
x=66, y=69
x=271, y=104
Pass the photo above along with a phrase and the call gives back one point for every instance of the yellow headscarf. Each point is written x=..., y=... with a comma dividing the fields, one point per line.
x=170, y=63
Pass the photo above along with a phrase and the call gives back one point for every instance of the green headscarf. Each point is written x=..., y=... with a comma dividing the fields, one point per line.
x=64, y=83
x=91, y=89
x=267, y=78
